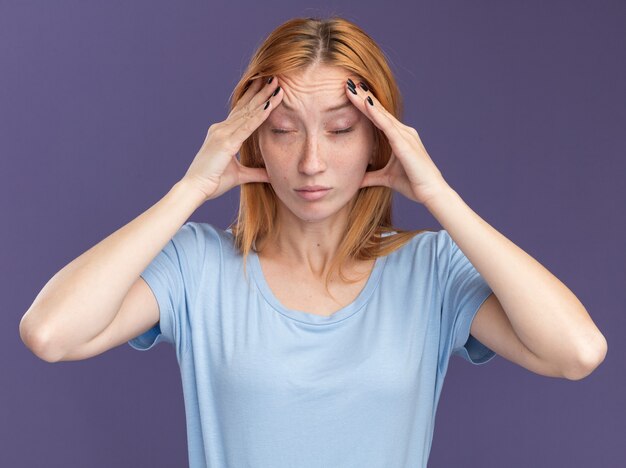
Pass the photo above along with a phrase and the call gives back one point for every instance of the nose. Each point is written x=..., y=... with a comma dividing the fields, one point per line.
x=312, y=160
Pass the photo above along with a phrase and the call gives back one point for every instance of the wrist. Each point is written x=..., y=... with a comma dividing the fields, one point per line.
x=185, y=188
x=441, y=195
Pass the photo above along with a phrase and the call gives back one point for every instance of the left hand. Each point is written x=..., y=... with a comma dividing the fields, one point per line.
x=410, y=170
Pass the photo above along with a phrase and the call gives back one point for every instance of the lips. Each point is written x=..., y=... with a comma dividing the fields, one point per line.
x=312, y=194
x=312, y=188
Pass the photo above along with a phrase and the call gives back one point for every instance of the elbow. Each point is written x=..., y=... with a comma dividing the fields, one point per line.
x=588, y=361
x=36, y=342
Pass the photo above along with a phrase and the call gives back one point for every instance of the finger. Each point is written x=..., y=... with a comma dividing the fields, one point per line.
x=379, y=177
x=248, y=123
x=250, y=98
x=251, y=88
x=259, y=99
x=253, y=174
x=375, y=104
x=379, y=116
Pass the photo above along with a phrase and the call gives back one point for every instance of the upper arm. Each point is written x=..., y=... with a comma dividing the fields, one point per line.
x=492, y=327
x=139, y=312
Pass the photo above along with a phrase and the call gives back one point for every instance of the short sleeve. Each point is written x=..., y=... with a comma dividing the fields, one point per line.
x=463, y=290
x=170, y=276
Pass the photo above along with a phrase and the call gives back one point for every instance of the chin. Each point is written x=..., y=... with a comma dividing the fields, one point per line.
x=312, y=211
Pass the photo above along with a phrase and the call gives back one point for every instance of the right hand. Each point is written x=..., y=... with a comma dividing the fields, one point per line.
x=216, y=169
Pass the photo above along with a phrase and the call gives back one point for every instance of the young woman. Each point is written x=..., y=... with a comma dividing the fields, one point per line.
x=312, y=332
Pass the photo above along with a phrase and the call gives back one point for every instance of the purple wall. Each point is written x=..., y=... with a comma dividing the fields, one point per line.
x=103, y=106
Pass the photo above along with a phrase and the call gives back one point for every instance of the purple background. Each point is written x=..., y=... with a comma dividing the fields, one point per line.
x=103, y=106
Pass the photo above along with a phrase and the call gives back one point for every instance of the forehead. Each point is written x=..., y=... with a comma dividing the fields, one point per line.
x=320, y=88
x=344, y=104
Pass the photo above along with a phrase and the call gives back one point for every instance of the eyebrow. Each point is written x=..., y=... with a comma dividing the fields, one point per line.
x=330, y=109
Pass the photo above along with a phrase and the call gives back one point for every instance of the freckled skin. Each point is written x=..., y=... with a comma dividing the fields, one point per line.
x=309, y=154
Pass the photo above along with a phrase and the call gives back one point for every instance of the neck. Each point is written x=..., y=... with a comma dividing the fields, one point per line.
x=299, y=244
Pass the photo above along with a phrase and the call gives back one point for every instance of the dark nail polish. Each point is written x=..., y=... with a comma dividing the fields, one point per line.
x=276, y=91
x=364, y=86
x=352, y=90
x=270, y=80
x=351, y=83
x=266, y=104
x=369, y=99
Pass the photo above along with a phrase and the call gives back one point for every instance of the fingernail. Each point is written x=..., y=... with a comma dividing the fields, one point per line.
x=352, y=90
x=276, y=91
x=351, y=83
x=363, y=86
x=270, y=80
x=266, y=104
x=369, y=99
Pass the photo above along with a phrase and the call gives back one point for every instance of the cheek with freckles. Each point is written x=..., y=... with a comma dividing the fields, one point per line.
x=275, y=159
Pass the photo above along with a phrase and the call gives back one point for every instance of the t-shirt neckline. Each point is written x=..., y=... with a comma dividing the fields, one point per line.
x=355, y=306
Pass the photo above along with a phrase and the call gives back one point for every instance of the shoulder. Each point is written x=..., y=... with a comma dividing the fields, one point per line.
x=443, y=241
x=424, y=240
x=203, y=231
x=419, y=249
x=432, y=251
x=200, y=237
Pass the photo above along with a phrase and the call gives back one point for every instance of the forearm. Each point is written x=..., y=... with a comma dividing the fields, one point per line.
x=546, y=316
x=82, y=299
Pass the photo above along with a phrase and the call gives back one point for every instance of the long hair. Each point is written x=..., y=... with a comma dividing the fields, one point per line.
x=292, y=47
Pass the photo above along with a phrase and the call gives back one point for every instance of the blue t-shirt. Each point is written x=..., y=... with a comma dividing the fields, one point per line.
x=269, y=387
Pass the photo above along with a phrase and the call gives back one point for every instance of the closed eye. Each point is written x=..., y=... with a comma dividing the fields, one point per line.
x=345, y=130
